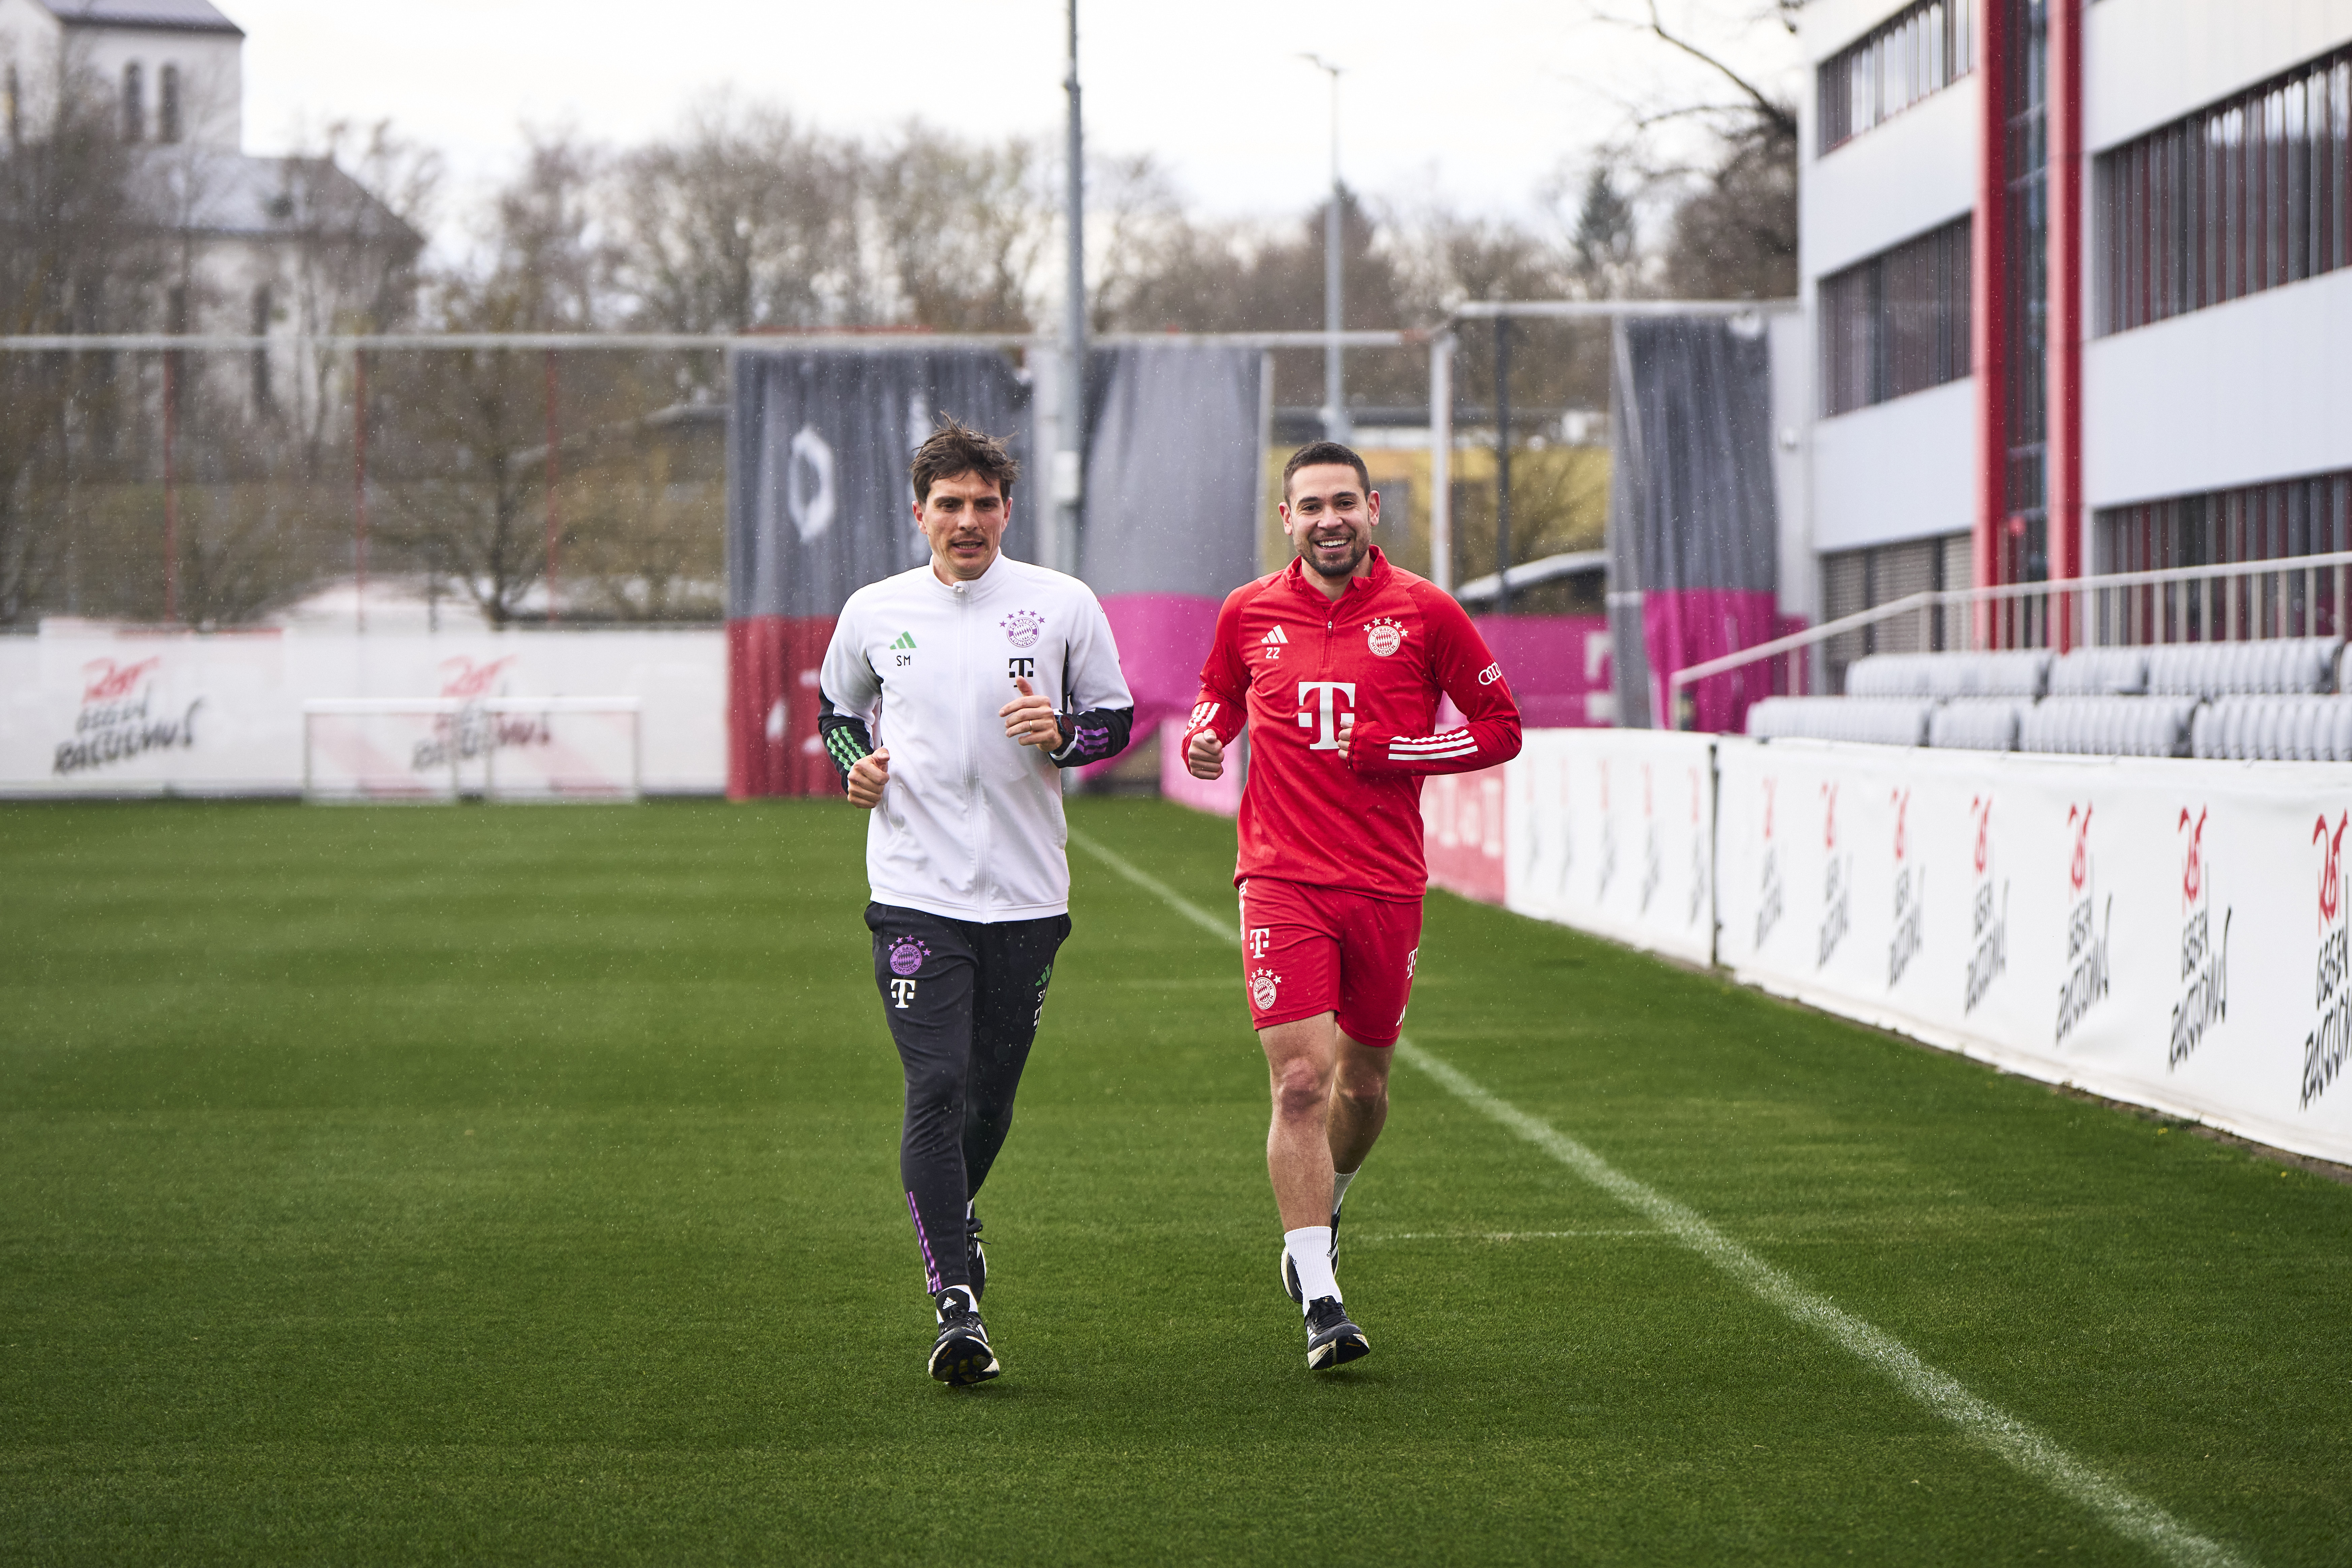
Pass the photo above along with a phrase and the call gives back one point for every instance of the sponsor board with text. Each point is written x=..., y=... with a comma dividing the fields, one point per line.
x=1612, y=831
x=95, y=709
x=2169, y=932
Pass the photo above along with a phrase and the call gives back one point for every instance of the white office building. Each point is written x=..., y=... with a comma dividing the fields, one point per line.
x=2079, y=274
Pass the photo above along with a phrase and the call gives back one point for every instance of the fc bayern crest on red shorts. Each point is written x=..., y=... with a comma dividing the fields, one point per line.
x=1321, y=949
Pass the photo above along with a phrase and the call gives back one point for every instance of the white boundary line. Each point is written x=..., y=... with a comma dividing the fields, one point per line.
x=2025, y=1449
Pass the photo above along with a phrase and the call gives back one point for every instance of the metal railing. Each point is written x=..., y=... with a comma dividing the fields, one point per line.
x=2242, y=601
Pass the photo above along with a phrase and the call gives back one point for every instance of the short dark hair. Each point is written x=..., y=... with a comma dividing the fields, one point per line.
x=1316, y=452
x=956, y=448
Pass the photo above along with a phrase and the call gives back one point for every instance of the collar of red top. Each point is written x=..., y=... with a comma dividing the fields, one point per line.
x=1377, y=576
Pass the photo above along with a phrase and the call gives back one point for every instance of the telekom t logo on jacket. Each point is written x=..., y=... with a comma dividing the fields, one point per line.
x=1319, y=700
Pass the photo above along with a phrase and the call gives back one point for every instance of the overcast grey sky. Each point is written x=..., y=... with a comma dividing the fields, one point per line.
x=1476, y=99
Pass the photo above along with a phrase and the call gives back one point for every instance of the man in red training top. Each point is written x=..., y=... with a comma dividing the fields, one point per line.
x=1336, y=664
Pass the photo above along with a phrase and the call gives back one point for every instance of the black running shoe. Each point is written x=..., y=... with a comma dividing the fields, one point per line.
x=962, y=1354
x=976, y=1254
x=1290, y=1286
x=1331, y=1339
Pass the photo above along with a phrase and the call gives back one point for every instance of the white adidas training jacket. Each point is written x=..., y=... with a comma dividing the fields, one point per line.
x=971, y=823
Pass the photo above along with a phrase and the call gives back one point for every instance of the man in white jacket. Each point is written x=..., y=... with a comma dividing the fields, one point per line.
x=952, y=696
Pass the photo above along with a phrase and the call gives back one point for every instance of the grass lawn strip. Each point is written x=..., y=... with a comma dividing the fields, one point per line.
x=2132, y=1517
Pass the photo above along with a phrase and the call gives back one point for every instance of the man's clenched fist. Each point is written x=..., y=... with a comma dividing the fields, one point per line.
x=1205, y=757
x=867, y=779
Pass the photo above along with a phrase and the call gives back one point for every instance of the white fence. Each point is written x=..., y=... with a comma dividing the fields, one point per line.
x=361, y=749
x=101, y=710
x=2174, y=933
x=1614, y=830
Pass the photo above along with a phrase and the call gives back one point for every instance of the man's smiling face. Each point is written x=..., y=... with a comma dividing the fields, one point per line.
x=964, y=519
x=1329, y=515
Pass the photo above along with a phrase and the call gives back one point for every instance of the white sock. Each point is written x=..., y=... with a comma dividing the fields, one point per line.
x=1311, y=1254
x=1340, y=1180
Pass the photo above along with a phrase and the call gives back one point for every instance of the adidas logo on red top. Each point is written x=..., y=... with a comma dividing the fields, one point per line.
x=1274, y=637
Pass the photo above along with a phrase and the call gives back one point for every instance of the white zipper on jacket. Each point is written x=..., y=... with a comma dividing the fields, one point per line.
x=975, y=791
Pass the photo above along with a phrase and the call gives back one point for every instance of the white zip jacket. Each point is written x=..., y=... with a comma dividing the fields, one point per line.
x=970, y=825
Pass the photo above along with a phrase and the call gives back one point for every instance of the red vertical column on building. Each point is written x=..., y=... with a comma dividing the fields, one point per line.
x=1988, y=306
x=2066, y=314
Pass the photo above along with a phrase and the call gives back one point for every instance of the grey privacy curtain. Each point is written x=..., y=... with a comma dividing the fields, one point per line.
x=1172, y=452
x=818, y=504
x=1693, y=519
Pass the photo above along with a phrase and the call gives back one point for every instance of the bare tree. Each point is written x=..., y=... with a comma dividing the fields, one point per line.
x=1733, y=233
x=965, y=227
x=1604, y=243
x=75, y=256
x=351, y=209
x=547, y=239
x=744, y=220
x=463, y=435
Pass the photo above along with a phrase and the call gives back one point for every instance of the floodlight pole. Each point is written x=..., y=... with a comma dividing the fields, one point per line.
x=1337, y=427
x=359, y=489
x=1502, y=465
x=1441, y=460
x=1070, y=472
x=554, y=519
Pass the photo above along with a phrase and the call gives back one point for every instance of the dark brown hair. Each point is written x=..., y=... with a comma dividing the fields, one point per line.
x=956, y=448
x=1316, y=452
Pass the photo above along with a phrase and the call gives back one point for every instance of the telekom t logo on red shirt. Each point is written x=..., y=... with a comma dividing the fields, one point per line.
x=1320, y=701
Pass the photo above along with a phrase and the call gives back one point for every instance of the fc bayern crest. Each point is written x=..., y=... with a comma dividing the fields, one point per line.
x=1263, y=985
x=907, y=955
x=1021, y=626
x=1384, y=636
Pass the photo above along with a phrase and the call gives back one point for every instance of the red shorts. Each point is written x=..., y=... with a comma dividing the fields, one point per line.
x=1306, y=951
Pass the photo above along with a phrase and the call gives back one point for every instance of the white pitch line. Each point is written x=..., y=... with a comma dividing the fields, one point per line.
x=1227, y=930
x=1646, y=1232
x=2023, y=1447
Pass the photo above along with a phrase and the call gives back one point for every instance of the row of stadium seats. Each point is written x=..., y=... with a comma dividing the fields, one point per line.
x=2315, y=729
x=2282, y=666
x=2248, y=701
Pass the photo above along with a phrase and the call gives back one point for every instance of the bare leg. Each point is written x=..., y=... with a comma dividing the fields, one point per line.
x=1360, y=1101
x=1301, y=1060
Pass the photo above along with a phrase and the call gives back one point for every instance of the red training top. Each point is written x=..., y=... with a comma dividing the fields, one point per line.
x=1292, y=664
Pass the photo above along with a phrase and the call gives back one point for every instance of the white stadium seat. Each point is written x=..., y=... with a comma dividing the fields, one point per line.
x=2108, y=726
x=1977, y=723
x=2276, y=729
x=2012, y=673
x=1876, y=720
x=2269, y=700
x=2282, y=666
x=2099, y=672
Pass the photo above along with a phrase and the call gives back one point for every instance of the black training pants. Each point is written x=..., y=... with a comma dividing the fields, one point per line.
x=963, y=1000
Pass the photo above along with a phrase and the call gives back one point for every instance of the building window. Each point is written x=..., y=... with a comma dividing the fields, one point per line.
x=1857, y=580
x=2310, y=516
x=1897, y=323
x=2244, y=195
x=134, y=104
x=1923, y=49
x=2025, y=545
x=167, y=104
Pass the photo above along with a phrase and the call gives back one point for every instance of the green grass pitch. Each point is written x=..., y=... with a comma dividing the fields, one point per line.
x=496, y=1184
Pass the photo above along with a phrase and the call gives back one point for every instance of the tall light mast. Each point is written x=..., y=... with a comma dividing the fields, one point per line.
x=1069, y=480
x=1337, y=426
